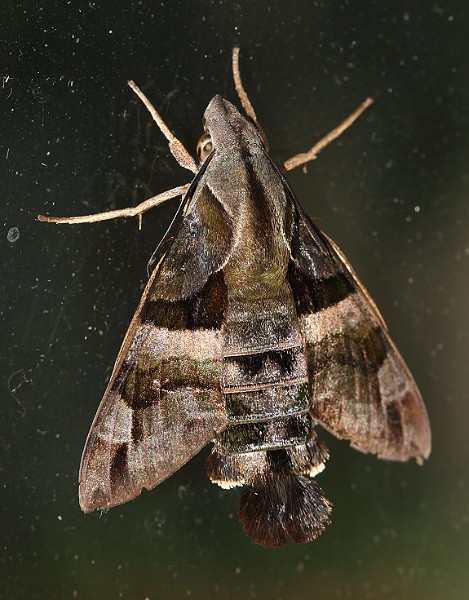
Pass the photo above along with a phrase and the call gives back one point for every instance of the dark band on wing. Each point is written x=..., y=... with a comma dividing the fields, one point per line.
x=394, y=421
x=314, y=295
x=360, y=347
x=119, y=472
x=205, y=310
x=146, y=381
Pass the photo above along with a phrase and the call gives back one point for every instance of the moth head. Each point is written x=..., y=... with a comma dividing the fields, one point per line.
x=225, y=129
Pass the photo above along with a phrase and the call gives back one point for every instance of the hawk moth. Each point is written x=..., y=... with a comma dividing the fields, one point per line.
x=252, y=330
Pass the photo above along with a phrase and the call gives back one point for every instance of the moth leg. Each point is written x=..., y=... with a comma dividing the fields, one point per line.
x=132, y=211
x=176, y=147
x=243, y=97
x=305, y=157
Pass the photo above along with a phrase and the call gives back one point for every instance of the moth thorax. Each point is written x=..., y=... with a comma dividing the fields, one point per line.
x=256, y=271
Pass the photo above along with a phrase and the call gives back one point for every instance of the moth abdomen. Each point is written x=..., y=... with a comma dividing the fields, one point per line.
x=269, y=444
x=280, y=503
x=270, y=447
x=266, y=399
x=231, y=469
x=259, y=421
x=278, y=432
x=280, y=506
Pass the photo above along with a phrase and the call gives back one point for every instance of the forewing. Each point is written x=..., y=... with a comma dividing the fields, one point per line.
x=164, y=400
x=200, y=248
x=360, y=387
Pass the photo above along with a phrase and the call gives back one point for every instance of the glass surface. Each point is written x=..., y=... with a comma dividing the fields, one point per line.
x=392, y=192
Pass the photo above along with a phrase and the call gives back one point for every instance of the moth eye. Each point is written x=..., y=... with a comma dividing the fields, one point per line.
x=204, y=146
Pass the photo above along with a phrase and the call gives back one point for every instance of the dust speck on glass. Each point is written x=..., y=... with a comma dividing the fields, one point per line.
x=13, y=234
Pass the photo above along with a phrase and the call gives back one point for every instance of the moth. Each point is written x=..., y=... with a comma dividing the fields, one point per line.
x=253, y=330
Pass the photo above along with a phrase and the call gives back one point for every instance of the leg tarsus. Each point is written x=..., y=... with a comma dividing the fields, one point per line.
x=132, y=211
x=243, y=97
x=305, y=157
x=176, y=147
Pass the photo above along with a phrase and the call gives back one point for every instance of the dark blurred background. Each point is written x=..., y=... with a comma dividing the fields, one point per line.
x=393, y=193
